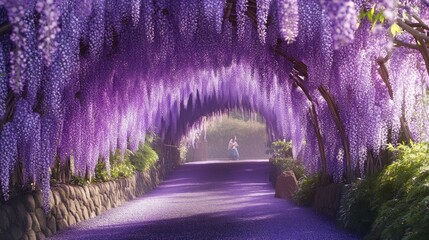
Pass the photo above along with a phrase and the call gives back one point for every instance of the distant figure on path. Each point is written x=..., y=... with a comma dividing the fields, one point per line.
x=232, y=148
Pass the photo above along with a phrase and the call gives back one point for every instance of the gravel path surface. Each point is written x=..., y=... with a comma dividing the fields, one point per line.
x=210, y=200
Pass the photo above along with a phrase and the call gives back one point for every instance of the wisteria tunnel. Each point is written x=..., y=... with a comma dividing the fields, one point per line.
x=80, y=79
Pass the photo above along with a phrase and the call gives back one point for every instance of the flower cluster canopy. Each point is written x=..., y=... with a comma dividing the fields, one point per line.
x=81, y=78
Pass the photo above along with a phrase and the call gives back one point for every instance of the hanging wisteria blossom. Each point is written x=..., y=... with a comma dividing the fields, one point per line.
x=49, y=28
x=288, y=19
x=82, y=79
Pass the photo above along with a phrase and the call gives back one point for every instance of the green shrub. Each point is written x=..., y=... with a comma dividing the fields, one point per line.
x=120, y=166
x=397, y=179
x=402, y=195
x=307, y=190
x=355, y=211
x=121, y=170
x=144, y=158
x=280, y=149
x=81, y=181
x=125, y=166
x=281, y=160
x=101, y=174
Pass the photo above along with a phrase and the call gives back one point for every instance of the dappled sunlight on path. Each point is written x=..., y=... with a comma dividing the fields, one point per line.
x=210, y=200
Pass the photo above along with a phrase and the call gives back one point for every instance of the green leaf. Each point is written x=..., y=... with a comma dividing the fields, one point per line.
x=372, y=10
x=382, y=18
x=395, y=29
x=362, y=14
x=370, y=15
x=373, y=25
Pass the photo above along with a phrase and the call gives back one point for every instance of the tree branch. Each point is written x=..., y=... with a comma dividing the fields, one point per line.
x=333, y=108
x=299, y=66
x=411, y=30
x=400, y=43
x=424, y=51
x=421, y=38
x=301, y=70
x=315, y=121
x=5, y=29
x=384, y=73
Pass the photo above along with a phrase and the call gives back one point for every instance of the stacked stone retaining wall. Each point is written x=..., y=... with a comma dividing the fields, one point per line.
x=24, y=217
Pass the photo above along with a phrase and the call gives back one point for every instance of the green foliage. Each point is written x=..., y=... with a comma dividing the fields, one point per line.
x=355, y=211
x=373, y=16
x=101, y=174
x=81, y=181
x=144, y=158
x=397, y=179
x=395, y=203
x=394, y=30
x=122, y=170
x=281, y=160
x=119, y=167
x=307, y=190
x=377, y=17
x=402, y=195
x=280, y=149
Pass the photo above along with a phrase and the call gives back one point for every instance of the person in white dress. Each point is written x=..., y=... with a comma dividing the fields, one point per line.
x=232, y=148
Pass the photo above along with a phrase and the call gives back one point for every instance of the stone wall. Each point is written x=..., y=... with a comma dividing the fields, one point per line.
x=24, y=218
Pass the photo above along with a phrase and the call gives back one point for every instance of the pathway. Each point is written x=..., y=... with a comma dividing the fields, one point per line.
x=210, y=200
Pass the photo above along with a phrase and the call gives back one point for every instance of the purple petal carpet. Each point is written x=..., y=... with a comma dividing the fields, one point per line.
x=210, y=200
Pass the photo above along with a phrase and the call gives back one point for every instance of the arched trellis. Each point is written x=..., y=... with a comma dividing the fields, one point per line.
x=173, y=130
x=129, y=49
x=187, y=110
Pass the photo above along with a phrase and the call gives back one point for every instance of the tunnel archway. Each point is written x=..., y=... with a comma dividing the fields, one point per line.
x=233, y=88
x=86, y=77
